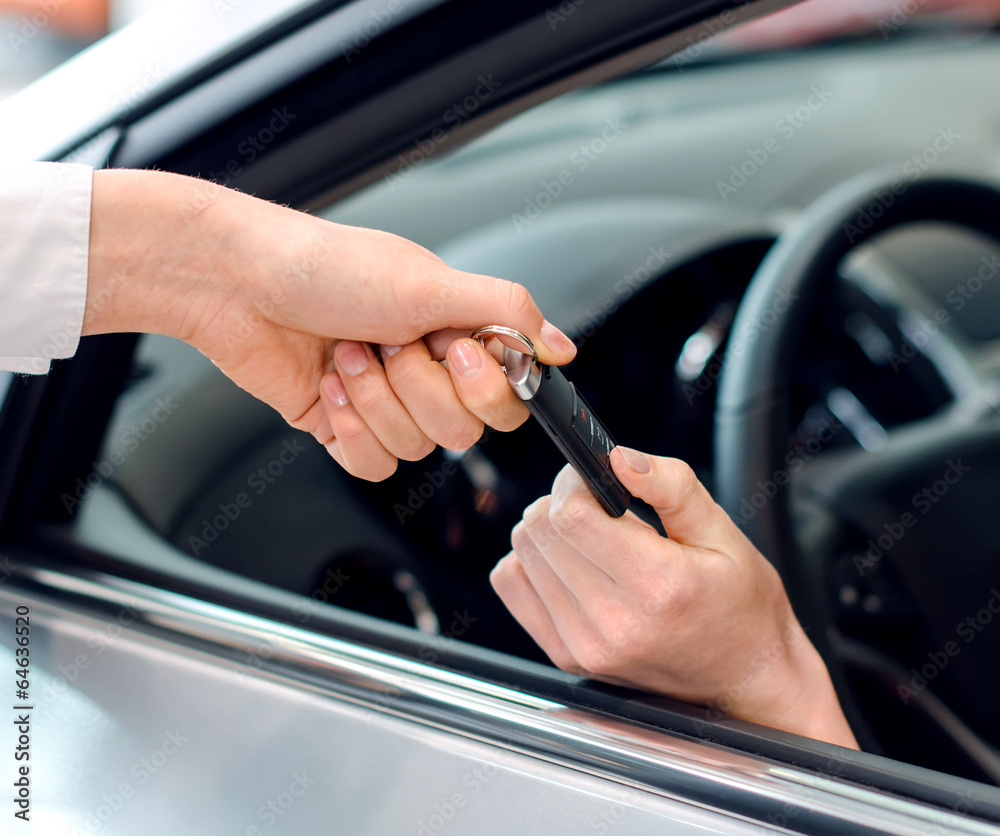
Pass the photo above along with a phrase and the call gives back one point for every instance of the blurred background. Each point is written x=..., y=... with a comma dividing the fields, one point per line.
x=37, y=35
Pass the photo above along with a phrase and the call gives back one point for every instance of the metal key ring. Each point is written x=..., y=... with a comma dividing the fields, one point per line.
x=504, y=331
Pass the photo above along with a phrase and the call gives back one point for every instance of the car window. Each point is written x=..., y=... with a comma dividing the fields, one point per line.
x=636, y=212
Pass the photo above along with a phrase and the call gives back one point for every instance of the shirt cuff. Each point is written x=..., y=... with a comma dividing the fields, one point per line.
x=44, y=253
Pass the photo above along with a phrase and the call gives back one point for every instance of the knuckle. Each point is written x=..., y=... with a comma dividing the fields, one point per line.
x=622, y=629
x=667, y=597
x=463, y=433
x=368, y=397
x=404, y=372
x=520, y=539
x=416, y=449
x=597, y=657
x=519, y=298
x=569, y=513
x=511, y=419
x=682, y=477
x=352, y=433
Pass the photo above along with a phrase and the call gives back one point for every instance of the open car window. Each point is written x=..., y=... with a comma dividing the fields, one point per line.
x=637, y=212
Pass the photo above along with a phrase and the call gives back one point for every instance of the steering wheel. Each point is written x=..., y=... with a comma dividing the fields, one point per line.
x=945, y=562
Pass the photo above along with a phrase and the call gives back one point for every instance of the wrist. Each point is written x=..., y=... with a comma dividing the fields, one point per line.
x=798, y=695
x=155, y=242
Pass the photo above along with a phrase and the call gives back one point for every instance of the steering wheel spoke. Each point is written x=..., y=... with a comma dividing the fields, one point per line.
x=894, y=539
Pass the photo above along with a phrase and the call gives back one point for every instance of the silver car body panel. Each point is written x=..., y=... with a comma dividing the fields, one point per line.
x=157, y=713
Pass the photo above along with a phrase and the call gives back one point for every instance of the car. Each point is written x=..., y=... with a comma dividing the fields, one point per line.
x=777, y=265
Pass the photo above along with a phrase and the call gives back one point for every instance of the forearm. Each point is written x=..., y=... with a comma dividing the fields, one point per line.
x=155, y=244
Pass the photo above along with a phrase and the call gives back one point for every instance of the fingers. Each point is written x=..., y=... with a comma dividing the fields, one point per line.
x=554, y=594
x=689, y=514
x=585, y=580
x=625, y=549
x=482, y=386
x=354, y=446
x=483, y=300
x=367, y=387
x=568, y=604
x=425, y=387
x=402, y=407
x=511, y=583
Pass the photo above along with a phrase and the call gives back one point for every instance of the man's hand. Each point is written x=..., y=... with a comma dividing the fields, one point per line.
x=287, y=306
x=701, y=616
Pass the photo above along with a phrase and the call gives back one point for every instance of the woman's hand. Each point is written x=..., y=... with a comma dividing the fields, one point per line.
x=701, y=616
x=288, y=305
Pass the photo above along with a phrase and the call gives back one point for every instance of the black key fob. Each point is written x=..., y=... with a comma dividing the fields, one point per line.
x=566, y=417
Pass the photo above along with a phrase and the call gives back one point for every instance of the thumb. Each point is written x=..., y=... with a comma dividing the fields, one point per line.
x=483, y=300
x=689, y=514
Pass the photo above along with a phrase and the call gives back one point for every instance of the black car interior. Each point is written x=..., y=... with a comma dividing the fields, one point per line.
x=869, y=368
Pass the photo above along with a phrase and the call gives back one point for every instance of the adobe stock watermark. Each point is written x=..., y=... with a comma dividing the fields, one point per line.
x=624, y=289
x=417, y=496
x=269, y=813
x=457, y=114
x=31, y=26
x=796, y=458
x=97, y=643
x=258, y=482
x=921, y=503
x=297, y=276
x=564, y=11
x=124, y=444
x=429, y=651
x=785, y=128
x=446, y=810
x=964, y=292
x=902, y=13
x=460, y=624
x=153, y=77
x=912, y=170
x=757, y=666
x=607, y=819
x=967, y=630
x=364, y=33
x=781, y=820
x=62, y=342
x=140, y=773
x=255, y=657
x=749, y=333
x=580, y=160
x=249, y=149
x=923, y=329
x=707, y=32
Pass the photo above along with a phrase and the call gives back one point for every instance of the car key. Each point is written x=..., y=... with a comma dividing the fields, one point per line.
x=564, y=415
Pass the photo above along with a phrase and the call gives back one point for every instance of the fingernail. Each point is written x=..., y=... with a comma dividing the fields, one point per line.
x=352, y=358
x=466, y=360
x=389, y=350
x=639, y=462
x=556, y=340
x=335, y=391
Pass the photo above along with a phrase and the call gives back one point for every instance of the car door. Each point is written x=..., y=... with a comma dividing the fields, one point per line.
x=172, y=685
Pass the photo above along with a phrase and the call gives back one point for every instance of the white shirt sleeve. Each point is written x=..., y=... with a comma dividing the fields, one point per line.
x=44, y=250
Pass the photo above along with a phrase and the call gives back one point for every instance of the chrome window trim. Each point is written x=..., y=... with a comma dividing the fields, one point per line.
x=594, y=744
